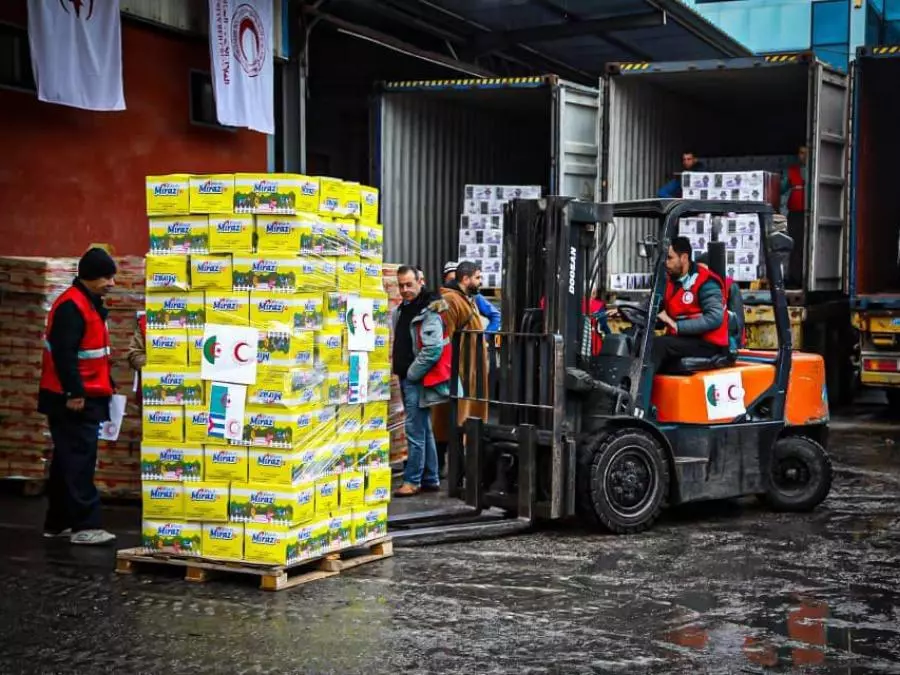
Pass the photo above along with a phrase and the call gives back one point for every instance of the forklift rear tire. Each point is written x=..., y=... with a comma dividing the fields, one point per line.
x=800, y=477
x=622, y=480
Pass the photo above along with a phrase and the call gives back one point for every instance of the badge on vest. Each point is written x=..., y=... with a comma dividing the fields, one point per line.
x=688, y=297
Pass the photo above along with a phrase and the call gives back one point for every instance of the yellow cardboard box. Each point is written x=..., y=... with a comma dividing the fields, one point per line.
x=168, y=195
x=223, y=540
x=348, y=273
x=179, y=235
x=375, y=416
x=211, y=271
x=370, y=276
x=327, y=495
x=378, y=485
x=315, y=233
x=276, y=312
x=275, y=467
x=308, y=201
x=337, y=386
x=369, y=204
x=167, y=348
x=171, y=386
x=272, y=504
x=317, y=274
x=374, y=449
x=162, y=500
x=229, y=308
x=174, y=462
x=343, y=241
x=382, y=351
x=163, y=425
x=167, y=273
x=379, y=382
x=371, y=241
x=266, y=193
x=231, y=233
x=335, y=310
x=206, y=501
x=172, y=536
x=340, y=530
x=271, y=544
x=212, y=193
x=278, y=349
x=174, y=310
x=274, y=272
x=331, y=191
x=196, y=426
x=349, y=420
x=330, y=347
x=278, y=234
x=352, y=489
x=351, y=200
x=226, y=463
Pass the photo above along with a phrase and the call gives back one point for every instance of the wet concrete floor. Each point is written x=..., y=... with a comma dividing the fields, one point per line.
x=714, y=588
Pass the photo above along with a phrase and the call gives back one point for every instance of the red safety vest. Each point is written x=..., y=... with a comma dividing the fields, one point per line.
x=440, y=373
x=797, y=195
x=142, y=324
x=684, y=304
x=93, y=350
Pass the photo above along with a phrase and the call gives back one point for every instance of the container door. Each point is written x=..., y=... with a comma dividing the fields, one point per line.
x=828, y=172
x=576, y=128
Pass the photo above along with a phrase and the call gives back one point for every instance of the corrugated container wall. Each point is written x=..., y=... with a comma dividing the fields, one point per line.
x=647, y=135
x=430, y=145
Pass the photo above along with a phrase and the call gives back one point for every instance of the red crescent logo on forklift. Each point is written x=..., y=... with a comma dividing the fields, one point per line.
x=734, y=392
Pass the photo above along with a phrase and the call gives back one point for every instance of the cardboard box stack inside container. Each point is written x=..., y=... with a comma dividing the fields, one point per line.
x=481, y=226
x=28, y=288
x=282, y=457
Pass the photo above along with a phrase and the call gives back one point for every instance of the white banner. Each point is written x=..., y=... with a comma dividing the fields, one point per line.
x=76, y=53
x=229, y=354
x=241, y=51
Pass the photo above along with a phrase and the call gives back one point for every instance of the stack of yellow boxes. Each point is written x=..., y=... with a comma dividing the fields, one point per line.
x=281, y=253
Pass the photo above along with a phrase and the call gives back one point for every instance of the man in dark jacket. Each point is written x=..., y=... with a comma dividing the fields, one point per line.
x=693, y=312
x=672, y=189
x=75, y=390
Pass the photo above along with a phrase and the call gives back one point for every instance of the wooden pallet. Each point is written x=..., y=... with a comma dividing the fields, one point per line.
x=271, y=577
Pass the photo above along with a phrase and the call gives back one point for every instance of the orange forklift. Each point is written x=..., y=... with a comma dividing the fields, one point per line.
x=576, y=431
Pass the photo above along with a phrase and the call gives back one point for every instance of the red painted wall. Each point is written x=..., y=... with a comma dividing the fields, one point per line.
x=72, y=177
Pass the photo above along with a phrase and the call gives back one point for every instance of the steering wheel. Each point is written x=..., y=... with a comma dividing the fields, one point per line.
x=634, y=314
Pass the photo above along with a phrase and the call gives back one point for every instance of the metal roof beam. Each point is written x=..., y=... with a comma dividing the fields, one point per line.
x=489, y=42
x=701, y=28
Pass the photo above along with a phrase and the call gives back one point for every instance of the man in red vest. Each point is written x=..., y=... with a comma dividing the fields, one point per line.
x=75, y=390
x=693, y=310
x=421, y=360
x=793, y=184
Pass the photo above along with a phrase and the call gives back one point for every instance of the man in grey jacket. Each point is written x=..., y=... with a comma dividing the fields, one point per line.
x=693, y=310
x=421, y=362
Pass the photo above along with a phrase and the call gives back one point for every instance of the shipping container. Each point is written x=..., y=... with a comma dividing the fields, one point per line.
x=735, y=114
x=875, y=217
x=434, y=137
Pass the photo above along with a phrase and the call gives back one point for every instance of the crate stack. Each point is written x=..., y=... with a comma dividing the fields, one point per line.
x=481, y=226
x=28, y=288
x=282, y=254
x=740, y=232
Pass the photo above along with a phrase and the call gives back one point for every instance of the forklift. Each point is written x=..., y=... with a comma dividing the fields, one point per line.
x=577, y=430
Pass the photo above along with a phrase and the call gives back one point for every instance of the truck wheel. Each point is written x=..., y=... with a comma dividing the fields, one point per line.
x=800, y=475
x=622, y=480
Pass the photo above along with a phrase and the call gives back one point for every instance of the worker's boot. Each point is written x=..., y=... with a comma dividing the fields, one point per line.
x=442, y=459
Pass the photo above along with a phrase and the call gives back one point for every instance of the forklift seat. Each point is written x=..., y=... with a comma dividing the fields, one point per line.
x=693, y=364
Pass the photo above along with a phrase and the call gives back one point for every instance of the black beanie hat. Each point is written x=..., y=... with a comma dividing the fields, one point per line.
x=96, y=263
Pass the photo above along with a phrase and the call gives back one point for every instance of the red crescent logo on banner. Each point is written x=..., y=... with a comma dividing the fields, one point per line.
x=734, y=392
x=238, y=349
x=234, y=427
x=366, y=323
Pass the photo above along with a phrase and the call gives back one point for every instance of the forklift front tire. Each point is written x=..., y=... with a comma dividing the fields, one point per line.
x=622, y=480
x=800, y=475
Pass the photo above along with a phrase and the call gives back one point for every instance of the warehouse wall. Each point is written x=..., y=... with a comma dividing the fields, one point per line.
x=71, y=177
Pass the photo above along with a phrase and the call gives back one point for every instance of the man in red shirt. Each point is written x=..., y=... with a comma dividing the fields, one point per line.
x=693, y=310
x=75, y=390
x=793, y=185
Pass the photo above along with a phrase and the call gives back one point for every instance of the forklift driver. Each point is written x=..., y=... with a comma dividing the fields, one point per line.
x=693, y=310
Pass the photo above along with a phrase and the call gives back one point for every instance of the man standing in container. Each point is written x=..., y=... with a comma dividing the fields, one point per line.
x=485, y=307
x=793, y=185
x=421, y=361
x=672, y=189
x=75, y=390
